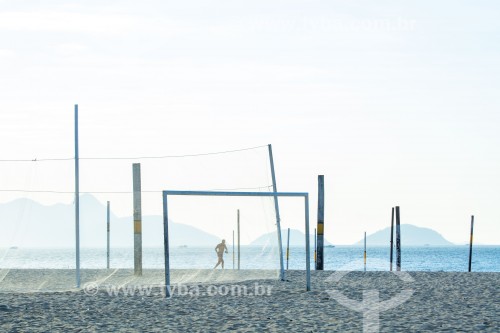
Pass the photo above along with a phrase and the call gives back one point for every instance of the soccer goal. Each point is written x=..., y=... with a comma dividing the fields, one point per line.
x=168, y=193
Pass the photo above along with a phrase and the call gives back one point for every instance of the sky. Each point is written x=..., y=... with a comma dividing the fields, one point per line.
x=396, y=103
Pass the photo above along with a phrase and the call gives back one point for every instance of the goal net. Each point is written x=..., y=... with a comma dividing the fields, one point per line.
x=260, y=258
x=37, y=219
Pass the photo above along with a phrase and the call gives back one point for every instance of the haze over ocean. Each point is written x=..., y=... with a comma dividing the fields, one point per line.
x=414, y=258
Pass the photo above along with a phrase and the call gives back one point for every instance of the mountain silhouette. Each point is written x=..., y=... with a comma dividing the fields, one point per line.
x=26, y=223
x=410, y=235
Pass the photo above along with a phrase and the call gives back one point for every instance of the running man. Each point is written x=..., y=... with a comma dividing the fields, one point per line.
x=219, y=249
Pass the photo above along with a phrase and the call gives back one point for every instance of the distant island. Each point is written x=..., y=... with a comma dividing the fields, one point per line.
x=27, y=221
x=411, y=235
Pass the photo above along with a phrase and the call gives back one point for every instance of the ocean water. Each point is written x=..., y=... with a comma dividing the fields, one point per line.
x=452, y=258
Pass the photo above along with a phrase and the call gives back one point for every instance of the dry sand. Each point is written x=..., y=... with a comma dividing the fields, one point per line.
x=440, y=302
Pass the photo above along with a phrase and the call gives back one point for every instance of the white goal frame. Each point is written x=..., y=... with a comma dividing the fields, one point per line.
x=232, y=194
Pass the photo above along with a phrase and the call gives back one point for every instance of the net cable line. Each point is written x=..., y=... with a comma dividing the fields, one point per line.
x=132, y=157
x=129, y=192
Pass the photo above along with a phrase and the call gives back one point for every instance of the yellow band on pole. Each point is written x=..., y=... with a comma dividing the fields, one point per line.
x=320, y=228
x=137, y=227
x=287, y=253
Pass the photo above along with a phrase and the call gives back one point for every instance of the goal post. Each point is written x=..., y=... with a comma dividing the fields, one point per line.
x=232, y=194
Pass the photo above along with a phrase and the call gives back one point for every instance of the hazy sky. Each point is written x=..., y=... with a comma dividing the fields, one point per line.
x=396, y=103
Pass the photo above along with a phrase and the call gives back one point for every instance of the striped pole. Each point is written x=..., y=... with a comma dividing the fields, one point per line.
x=321, y=223
x=470, y=244
x=136, y=168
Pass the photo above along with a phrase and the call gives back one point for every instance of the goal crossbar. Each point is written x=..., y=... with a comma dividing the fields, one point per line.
x=166, y=193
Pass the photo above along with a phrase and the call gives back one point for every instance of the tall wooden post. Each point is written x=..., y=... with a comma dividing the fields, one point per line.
x=136, y=168
x=238, y=228
x=392, y=237
x=470, y=243
x=288, y=248
x=321, y=223
x=77, y=201
x=398, y=240
x=108, y=234
x=364, y=254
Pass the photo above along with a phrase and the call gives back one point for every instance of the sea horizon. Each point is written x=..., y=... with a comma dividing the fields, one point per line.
x=453, y=258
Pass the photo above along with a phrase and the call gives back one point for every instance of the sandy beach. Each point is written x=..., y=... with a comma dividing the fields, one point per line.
x=115, y=301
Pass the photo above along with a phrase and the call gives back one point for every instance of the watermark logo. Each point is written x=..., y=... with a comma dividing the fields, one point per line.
x=93, y=288
x=331, y=25
x=370, y=306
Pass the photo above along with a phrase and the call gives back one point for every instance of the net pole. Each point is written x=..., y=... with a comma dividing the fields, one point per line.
x=108, y=232
x=166, y=246
x=238, y=227
x=308, y=253
x=315, y=248
x=398, y=240
x=470, y=243
x=77, y=201
x=321, y=223
x=136, y=172
x=364, y=254
x=233, y=249
x=277, y=210
x=287, y=248
x=392, y=238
